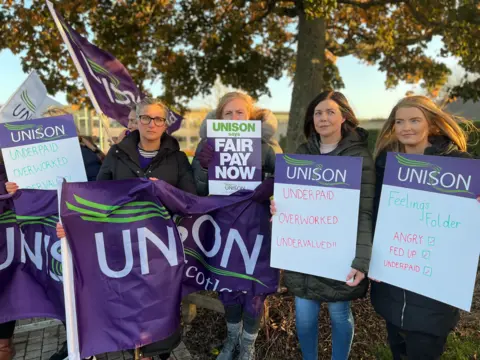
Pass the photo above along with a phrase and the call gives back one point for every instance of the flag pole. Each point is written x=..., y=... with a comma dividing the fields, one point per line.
x=68, y=288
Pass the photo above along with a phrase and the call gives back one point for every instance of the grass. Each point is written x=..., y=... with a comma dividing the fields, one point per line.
x=458, y=348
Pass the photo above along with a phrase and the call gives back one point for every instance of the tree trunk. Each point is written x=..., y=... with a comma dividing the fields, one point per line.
x=308, y=79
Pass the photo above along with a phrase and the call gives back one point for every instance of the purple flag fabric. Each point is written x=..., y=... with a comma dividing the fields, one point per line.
x=128, y=261
x=30, y=260
x=112, y=86
x=226, y=241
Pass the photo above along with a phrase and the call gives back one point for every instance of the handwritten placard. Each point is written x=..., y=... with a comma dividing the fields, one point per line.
x=315, y=227
x=237, y=162
x=427, y=234
x=37, y=151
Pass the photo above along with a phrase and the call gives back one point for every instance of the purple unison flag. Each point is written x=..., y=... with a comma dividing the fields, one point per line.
x=112, y=88
x=128, y=264
x=226, y=241
x=440, y=174
x=30, y=259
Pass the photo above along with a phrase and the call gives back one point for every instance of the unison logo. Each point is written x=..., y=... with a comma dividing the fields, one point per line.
x=308, y=170
x=128, y=213
x=223, y=244
x=35, y=132
x=104, y=78
x=34, y=244
x=26, y=109
x=422, y=172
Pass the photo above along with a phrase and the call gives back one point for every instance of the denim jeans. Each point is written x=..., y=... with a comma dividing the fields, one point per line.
x=307, y=312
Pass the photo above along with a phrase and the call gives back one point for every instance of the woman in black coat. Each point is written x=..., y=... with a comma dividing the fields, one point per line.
x=417, y=326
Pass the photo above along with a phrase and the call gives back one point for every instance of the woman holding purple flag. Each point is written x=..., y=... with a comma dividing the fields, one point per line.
x=417, y=326
x=242, y=310
x=150, y=152
x=331, y=129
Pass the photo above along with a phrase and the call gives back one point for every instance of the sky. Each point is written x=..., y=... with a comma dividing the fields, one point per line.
x=364, y=85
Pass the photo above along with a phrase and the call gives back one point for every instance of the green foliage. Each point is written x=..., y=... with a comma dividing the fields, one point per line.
x=188, y=44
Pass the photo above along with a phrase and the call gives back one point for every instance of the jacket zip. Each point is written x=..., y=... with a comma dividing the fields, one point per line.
x=404, y=306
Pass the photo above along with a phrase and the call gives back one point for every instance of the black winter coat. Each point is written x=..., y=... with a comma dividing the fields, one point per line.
x=170, y=165
x=329, y=290
x=92, y=163
x=405, y=309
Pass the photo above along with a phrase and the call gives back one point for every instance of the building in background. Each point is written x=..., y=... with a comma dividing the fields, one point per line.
x=89, y=124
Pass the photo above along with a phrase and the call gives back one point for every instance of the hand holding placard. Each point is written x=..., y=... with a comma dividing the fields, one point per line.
x=11, y=187
x=206, y=155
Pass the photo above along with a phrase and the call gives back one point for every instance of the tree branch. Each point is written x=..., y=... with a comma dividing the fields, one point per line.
x=270, y=7
x=366, y=4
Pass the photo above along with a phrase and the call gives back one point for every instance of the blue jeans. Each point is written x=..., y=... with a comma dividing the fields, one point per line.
x=307, y=327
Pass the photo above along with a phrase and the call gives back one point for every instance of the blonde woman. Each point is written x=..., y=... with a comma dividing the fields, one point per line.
x=242, y=310
x=417, y=326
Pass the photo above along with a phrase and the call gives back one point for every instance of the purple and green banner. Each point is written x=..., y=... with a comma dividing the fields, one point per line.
x=137, y=247
x=30, y=259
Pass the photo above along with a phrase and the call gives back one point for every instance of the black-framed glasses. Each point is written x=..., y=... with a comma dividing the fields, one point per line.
x=146, y=120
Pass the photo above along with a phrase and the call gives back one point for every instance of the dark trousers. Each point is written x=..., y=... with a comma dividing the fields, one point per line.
x=414, y=345
x=243, y=306
x=7, y=329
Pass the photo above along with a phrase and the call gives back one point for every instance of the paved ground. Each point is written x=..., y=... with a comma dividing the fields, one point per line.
x=33, y=342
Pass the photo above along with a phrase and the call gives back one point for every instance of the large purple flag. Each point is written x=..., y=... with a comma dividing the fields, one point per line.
x=128, y=261
x=110, y=86
x=30, y=260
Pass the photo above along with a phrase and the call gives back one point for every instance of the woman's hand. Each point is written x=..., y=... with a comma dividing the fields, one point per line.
x=206, y=155
x=153, y=179
x=273, y=208
x=478, y=198
x=11, y=187
x=357, y=277
x=60, y=231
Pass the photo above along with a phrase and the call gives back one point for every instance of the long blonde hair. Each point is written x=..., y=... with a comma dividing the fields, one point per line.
x=440, y=123
x=232, y=96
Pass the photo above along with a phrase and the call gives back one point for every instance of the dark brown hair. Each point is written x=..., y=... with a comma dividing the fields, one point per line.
x=350, y=123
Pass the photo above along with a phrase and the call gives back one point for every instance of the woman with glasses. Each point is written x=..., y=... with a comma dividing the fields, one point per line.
x=149, y=152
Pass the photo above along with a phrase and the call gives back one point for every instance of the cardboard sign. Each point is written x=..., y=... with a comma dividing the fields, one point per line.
x=315, y=227
x=36, y=151
x=426, y=238
x=237, y=163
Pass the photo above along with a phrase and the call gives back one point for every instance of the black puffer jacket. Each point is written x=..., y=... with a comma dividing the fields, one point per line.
x=171, y=165
x=403, y=308
x=323, y=289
